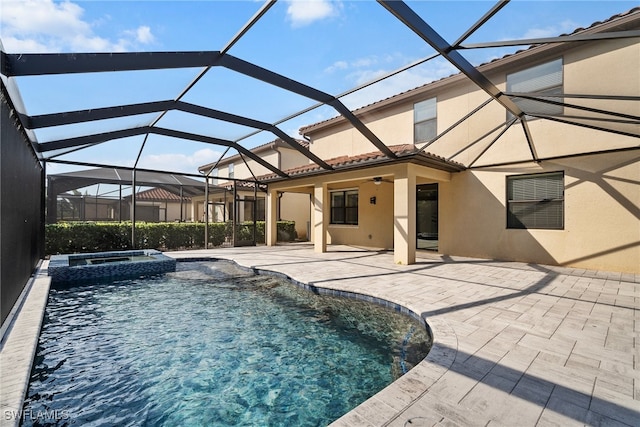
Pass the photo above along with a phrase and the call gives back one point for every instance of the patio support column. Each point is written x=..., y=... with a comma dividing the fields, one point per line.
x=272, y=218
x=318, y=218
x=404, y=218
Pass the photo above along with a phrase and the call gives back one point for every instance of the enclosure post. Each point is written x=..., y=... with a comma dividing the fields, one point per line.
x=255, y=212
x=133, y=209
x=52, y=204
x=43, y=203
x=234, y=214
x=206, y=212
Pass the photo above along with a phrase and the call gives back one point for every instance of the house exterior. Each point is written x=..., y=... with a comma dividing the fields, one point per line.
x=558, y=185
x=290, y=206
x=159, y=205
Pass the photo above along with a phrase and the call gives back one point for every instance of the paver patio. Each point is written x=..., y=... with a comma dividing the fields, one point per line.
x=514, y=344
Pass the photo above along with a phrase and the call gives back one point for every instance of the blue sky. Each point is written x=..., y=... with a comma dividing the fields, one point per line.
x=331, y=45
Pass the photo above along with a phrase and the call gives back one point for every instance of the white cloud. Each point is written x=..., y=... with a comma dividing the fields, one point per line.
x=389, y=60
x=410, y=79
x=305, y=12
x=563, y=27
x=338, y=65
x=180, y=162
x=47, y=26
x=141, y=35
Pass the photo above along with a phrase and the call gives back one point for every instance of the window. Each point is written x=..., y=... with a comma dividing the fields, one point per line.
x=542, y=79
x=536, y=201
x=344, y=207
x=231, y=170
x=424, y=120
x=213, y=176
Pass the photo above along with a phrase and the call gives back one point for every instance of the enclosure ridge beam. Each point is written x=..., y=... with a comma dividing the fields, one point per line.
x=145, y=130
x=71, y=117
x=81, y=116
x=415, y=23
x=40, y=64
x=362, y=128
x=217, y=141
x=495, y=9
x=14, y=65
x=92, y=139
x=275, y=79
x=559, y=39
x=246, y=27
x=408, y=17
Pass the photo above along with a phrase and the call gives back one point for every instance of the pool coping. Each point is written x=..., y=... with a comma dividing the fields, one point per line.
x=19, y=345
x=456, y=383
x=29, y=314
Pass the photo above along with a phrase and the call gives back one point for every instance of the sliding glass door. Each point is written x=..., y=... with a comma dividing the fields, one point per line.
x=427, y=216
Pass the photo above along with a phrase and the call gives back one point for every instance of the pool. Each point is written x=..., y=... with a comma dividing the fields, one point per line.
x=82, y=267
x=212, y=344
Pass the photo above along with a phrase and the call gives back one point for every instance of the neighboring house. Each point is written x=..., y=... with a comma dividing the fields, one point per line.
x=291, y=205
x=153, y=205
x=465, y=176
x=159, y=205
x=79, y=207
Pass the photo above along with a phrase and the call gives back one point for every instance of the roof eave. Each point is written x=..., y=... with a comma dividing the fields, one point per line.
x=421, y=159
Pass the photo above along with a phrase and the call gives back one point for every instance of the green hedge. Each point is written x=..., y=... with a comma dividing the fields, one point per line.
x=82, y=237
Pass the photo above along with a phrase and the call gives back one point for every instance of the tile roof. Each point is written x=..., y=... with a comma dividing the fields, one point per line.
x=158, y=195
x=403, y=151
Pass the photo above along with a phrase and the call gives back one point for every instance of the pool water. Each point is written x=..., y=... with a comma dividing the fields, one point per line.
x=212, y=345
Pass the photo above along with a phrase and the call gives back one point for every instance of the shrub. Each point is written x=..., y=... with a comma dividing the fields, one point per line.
x=82, y=237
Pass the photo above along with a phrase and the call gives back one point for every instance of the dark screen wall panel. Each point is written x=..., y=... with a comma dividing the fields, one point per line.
x=21, y=228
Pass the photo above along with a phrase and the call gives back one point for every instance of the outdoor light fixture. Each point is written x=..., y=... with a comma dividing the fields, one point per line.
x=377, y=180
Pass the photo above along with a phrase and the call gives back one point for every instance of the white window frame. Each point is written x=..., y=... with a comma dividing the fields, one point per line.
x=548, y=78
x=537, y=203
x=425, y=116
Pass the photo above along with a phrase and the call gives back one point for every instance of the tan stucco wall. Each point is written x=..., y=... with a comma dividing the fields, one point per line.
x=375, y=227
x=602, y=191
x=602, y=212
x=296, y=207
x=613, y=71
x=375, y=221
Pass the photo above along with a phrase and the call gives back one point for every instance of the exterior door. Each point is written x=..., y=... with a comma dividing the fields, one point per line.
x=427, y=217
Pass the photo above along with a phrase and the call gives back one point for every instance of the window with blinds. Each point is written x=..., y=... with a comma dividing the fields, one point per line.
x=424, y=120
x=540, y=80
x=344, y=207
x=536, y=201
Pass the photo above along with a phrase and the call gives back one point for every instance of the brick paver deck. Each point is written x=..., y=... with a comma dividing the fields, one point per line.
x=514, y=344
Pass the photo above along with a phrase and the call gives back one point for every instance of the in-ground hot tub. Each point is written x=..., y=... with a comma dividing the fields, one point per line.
x=71, y=268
